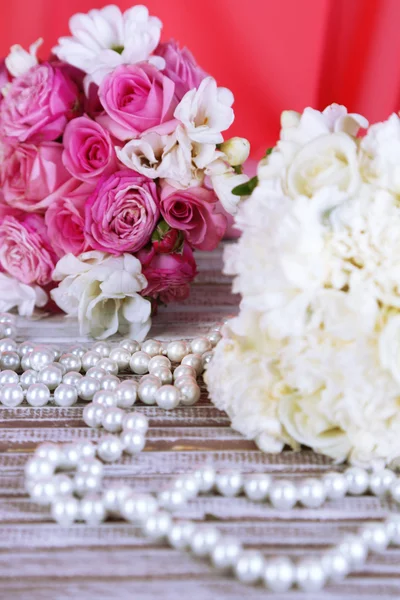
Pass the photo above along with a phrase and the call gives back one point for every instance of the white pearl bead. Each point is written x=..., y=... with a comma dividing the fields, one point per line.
x=380, y=482
x=158, y=525
x=184, y=372
x=71, y=362
x=8, y=345
x=50, y=376
x=65, y=511
x=43, y=492
x=376, y=536
x=87, y=388
x=180, y=534
x=335, y=565
x=200, y=345
x=395, y=490
x=8, y=330
x=354, y=549
x=136, y=508
x=102, y=348
x=279, y=574
x=65, y=395
x=38, y=394
x=195, y=361
x=214, y=337
x=207, y=358
x=112, y=419
x=86, y=450
x=109, y=383
x=126, y=393
x=108, y=365
x=92, y=510
x=257, y=487
x=188, y=485
x=171, y=500
x=132, y=441
x=49, y=451
x=190, y=391
x=139, y=363
x=40, y=358
x=310, y=575
x=121, y=357
x=312, y=493
x=168, y=397
x=70, y=455
x=63, y=485
x=9, y=376
x=225, y=553
x=135, y=421
x=9, y=360
x=110, y=448
x=163, y=374
x=90, y=359
x=59, y=366
x=85, y=482
x=25, y=363
x=159, y=362
x=147, y=390
x=72, y=378
x=336, y=485
x=204, y=540
x=358, y=481
x=78, y=351
x=28, y=378
x=152, y=347
x=11, y=395
x=283, y=494
x=93, y=415
x=25, y=348
x=105, y=398
x=96, y=373
x=130, y=345
x=39, y=468
x=249, y=567
x=229, y=484
x=114, y=495
x=393, y=529
x=176, y=351
x=6, y=317
x=91, y=466
x=206, y=478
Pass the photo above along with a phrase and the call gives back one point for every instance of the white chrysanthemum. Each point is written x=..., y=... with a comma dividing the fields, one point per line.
x=314, y=356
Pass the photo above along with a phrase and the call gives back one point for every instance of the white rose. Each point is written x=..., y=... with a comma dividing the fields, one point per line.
x=380, y=154
x=329, y=160
x=15, y=294
x=102, y=292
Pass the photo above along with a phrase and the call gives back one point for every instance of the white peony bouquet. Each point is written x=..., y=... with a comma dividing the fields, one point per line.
x=313, y=357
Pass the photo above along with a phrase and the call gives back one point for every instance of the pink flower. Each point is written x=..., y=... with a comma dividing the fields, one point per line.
x=65, y=220
x=181, y=67
x=122, y=212
x=168, y=275
x=137, y=98
x=89, y=151
x=25, y=250
x=38, y=104
x=33, y=176
x=193, y=211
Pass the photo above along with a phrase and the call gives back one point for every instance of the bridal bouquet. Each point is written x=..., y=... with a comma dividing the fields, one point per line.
x=314, y=356
x=112, y=156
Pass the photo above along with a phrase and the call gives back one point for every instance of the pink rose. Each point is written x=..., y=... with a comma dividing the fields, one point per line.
x=192, y=211
x=89, y=151
x=65, y=220
x=38, y=104
x=25, y=250
x=168, y=275
x=181, y=67
x=122, y=212
x=33, y=176
x=137, y=98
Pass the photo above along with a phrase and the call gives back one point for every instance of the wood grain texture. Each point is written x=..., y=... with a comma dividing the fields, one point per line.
x=41, y=561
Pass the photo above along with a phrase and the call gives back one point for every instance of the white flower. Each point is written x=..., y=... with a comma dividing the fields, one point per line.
x=206, y=111
x=380, y=159
x=103, y=39
x=15, y=294
x=19, y=61
x=102, y=292
x=173, y=157
x=223, y=179
x=236, y=150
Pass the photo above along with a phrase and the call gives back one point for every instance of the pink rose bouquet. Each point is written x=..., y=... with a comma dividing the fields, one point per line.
x=112, y=166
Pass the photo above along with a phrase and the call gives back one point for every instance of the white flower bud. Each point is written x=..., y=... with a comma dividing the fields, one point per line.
x=237, y=150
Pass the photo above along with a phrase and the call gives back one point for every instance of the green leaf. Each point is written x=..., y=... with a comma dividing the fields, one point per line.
x=245, y=189
x=268, y=151
x=118, y=49
x=238, y=169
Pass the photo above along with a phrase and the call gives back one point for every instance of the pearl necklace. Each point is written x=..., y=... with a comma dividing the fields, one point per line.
x=81, y=496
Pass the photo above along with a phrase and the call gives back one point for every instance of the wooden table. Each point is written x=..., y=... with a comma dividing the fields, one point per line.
x=41, y=561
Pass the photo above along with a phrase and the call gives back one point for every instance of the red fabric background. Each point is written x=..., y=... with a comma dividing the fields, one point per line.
x=273, y=54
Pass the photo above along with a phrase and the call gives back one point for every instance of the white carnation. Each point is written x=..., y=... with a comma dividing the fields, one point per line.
x=314, y=356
